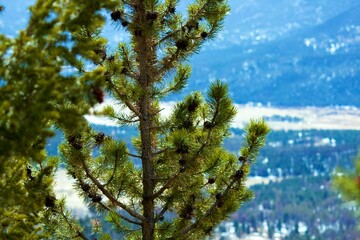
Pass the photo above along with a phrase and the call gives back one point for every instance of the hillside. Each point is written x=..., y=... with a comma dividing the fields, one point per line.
x=315, y=66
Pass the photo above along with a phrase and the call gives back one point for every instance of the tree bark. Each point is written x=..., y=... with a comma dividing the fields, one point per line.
x=148, y=184
x=145, y=55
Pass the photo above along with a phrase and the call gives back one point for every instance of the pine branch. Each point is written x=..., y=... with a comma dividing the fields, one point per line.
x=257, y=131
x=162, y=212
x=70, y=224
x=188, y=229
x=131, y=73
x=123, y=97
x=133, y=155
x=160, y=151
x=109, y=195
x=126, y=121
x=120, y=215
x=167, y=185
x=168, y=63
x=114, y=169
x=174, y=33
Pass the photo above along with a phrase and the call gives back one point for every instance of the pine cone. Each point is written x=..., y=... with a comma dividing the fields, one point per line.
x=85, y=187
x=152, y=16
x=172, y=10
x=29, y=173
x=218, y=196
x=204, y=35
x=96, y=198
x=115, y=15
x=50, y=201
x=208, y=125
x=99, y=138
x=183, y=149
x=191, y=26
x=124, y=23
x=239, y=174
x=138, y=32
x=211, y=180
x=101, y=53
x=99, y=94
x=75, y=141
x=192, y=106
x=182, y=162
x=208, y=230
x=242, y=159
x=219, y=200
x=182, y=44
x=124, y=70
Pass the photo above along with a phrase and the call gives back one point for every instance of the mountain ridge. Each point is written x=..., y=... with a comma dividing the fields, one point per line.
x=286, y=53
x=317, y=66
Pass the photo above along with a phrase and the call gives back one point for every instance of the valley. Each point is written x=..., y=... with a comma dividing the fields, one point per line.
x=279, y=118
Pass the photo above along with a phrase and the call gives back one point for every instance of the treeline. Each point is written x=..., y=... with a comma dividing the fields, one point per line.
x=300, y=153
x=303, y=204
x=305, y=207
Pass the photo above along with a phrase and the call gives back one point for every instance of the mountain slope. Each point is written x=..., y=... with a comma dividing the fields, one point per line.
x=317, y=66
x=287, y=53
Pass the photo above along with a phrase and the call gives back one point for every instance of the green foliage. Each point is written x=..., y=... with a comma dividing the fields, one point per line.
x=33, y=92
x=187, y=182
x=348, y=182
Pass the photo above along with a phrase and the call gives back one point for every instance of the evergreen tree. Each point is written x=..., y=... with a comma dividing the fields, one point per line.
x=187, y=183
x=34, y=93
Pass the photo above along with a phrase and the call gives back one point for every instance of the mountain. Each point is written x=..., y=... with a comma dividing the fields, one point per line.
x=279, y=52
x=253, y=22
x=316, y=65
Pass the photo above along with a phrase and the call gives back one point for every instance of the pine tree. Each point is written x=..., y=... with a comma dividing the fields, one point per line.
x=187, y=183
x=34, y=94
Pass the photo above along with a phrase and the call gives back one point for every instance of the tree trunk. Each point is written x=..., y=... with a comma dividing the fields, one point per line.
x=148, y=184
x=144, y=57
